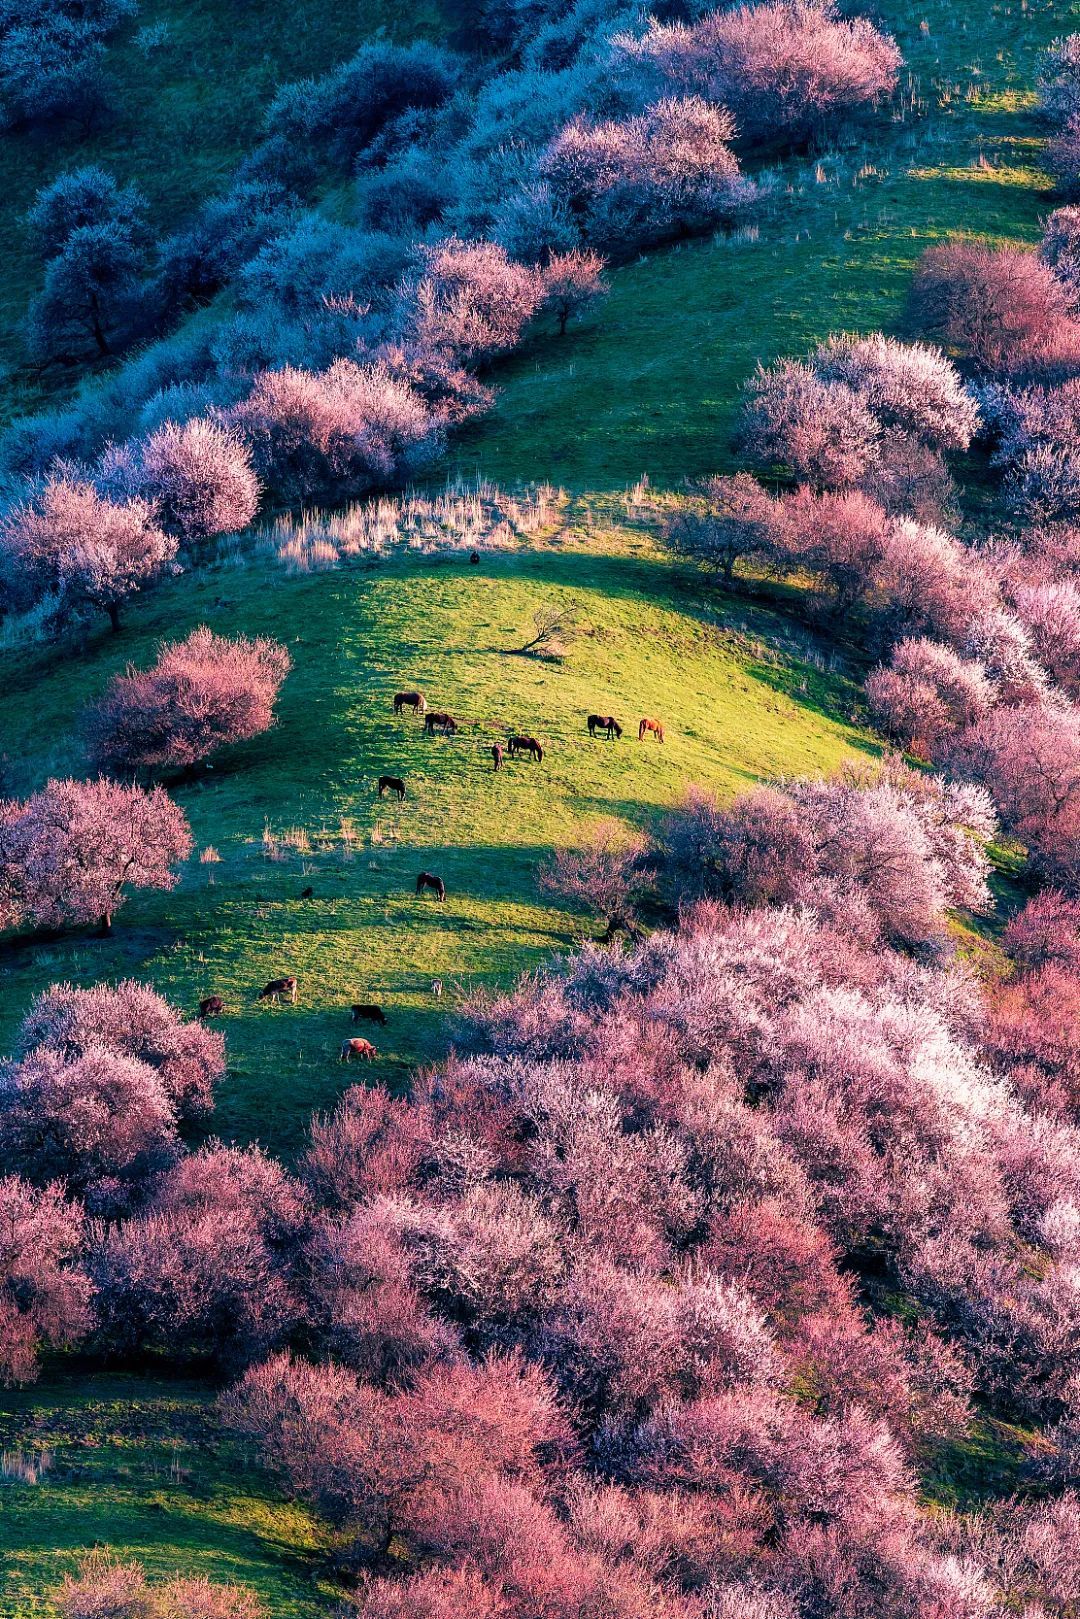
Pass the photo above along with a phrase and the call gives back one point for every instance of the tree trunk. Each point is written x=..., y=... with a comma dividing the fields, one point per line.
x=564, y=316
x=99, y=331
x=113, y=610
x=105, y=931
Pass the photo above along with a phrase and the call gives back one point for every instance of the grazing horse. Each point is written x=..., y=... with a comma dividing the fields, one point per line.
x=497, y=754
x=474, y=558
x=604, y=722
x=363, y=1049
x=525, y=744
x=277, y=987
x=212, y=1006
x=395, y=785
x=436, y=884
x=410, y=699
x=368, y=1014
x=436, y=988
x=650, y=725
x=307, y=893
x=444, y=722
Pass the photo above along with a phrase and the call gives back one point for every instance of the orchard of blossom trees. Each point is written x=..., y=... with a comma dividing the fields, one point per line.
x=488, y=201
x=597, y=1320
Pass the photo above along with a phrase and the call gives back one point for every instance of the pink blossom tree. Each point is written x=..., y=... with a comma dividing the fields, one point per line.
x=342, y=431
x=470, y=299
x=106, y=1588
x=45, y=1294
x=725, y=520
x=200, y=476
x=570, y=282
x=928, y=692
x=88, y=551
x=1001, y=306
x=202, y=694
x=814, y=431
x=69, y=853
x=132, y=1021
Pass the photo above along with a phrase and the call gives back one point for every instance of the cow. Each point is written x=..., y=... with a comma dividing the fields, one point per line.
x=362, y=1049
x=368, y=1014
x=277, y=987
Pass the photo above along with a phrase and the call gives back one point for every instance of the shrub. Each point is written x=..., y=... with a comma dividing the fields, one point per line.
x=90, y=552
x=726, y=520
x=470, y=300
x=343, y=431
x=100, y=1122
x=105, y=1588
x=200, y=477
x=606, y=874
x=634, y=182
x=45, y=1294
x=813, y=431
x=1002, y=307
x=69, y=853
x=787, y=68
x=132, y=1021
x=202, y=694
x=1060, y=248
x=927, y=693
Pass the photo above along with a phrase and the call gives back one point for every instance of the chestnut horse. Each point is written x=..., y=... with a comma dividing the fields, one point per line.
x=604, y=722
x=277, y=987
x=497, y=754
x=650, y=725
x=445, y=722
x=436, y=884
x=410, y=699
x=212, y=1006
x=525, y=744
x=394, y=783
x=357, y=1048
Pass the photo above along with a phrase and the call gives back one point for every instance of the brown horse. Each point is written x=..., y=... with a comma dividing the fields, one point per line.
x=427, y=880
x=497, y=754
x=368, y=1014
x=474, y=558
x=212, y=1006
x=650, y=725
x=410, y=699
x=525, y=744
x=446, y=723
x=363, y=1049
x=394, y=784
x=277, y=987
x=604, y=722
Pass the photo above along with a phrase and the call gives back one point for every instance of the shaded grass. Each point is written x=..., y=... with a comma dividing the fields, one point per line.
x=731, y=681
x=139, y=1463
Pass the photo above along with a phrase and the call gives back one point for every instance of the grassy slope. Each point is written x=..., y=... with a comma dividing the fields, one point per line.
x=651, y=384
x=178, y=120
x=137, y=1463
x=735, y=711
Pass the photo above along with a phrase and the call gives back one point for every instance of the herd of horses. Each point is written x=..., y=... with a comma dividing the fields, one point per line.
x=517, y=746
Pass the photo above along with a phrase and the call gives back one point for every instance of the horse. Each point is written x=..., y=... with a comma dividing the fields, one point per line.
x=604, y=722
x=212, y=1006
x=474, y=558
x=410, y=699
x=307, y=893
x=436, y=884
x=446, y=722
x=526, y=744
x=277, y=987
x=436, y=988
x=394, y=783
x=363, y=1049
x=368, y=1014
x=650, y=725
x=497, y=754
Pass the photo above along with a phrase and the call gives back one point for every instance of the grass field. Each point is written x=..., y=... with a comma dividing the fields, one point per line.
x=724, y=676
x=137, y=1462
